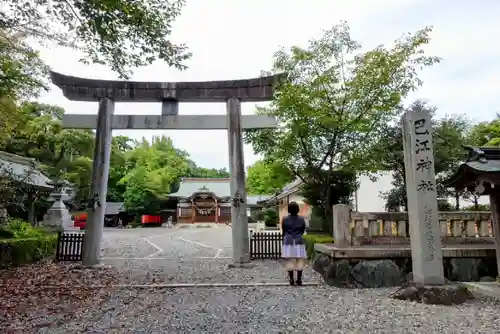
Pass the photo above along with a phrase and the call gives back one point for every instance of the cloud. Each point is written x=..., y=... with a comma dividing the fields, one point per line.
x=235, y=39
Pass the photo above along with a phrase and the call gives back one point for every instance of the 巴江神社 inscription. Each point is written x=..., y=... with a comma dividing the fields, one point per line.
x=422, y=200
x=247, y=90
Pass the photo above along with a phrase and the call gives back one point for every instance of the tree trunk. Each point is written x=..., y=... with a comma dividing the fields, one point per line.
x=457, y=201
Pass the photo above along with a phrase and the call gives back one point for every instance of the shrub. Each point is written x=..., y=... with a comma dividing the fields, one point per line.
x=17, y=228
x=14, y=252
x=271, y=217
x=315, y=238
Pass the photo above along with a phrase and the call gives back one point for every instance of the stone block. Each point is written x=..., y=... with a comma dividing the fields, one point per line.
x=376, y=274
x=465, y=269
x=321, y=263
x=338, y=274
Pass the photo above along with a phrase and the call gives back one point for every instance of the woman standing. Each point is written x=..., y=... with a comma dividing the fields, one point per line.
x=294, y=250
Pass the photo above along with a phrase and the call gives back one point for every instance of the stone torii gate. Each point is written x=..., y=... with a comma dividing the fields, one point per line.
x=169, y=94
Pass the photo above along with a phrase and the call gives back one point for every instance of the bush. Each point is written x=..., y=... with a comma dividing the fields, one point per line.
x=312, y=238
x=14, y=252
x=271, y=217
x=19, y=229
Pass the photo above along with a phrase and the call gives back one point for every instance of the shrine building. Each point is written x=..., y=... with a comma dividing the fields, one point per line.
x=206, y=200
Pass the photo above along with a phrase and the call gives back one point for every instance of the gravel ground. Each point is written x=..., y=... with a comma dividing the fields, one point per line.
x=201, y=271
x=269, y=309
x=279, y=310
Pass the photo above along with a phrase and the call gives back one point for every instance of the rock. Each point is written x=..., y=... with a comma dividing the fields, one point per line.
x=376, y=274
x=450, y=294
x=465, y=269
x=321, y=263
x=487, y=279
x=338, y=273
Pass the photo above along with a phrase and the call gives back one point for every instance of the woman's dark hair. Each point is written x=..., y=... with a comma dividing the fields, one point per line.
x=293, y=208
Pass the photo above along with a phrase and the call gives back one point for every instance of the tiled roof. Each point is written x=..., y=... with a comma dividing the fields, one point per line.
x=24, y=170
x=220, y=187
x=480, y=160
x=290, y=188
x=113, y=208
x=254, y=200
x=189, y=186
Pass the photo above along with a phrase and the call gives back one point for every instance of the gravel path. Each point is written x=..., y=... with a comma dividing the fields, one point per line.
x=279, y=310
x=268, y=309
x=200, y=271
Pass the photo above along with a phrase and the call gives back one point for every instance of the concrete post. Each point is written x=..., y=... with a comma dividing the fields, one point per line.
x=99, y=184
x=425, y=238
x=342, y=225
x=239, y=219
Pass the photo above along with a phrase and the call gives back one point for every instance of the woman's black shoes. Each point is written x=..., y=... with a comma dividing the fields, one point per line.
x=292, y=280
x=299, y=277
x=290, y=277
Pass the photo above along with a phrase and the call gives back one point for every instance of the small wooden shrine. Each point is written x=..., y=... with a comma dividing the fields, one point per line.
x=203, y=200
x=481, y=174
x=206, y=200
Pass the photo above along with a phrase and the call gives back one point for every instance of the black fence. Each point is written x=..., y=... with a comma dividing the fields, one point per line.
x=265, y=245
x=70, y=246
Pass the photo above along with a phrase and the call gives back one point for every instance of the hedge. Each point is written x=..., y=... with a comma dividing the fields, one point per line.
x=315, y=238
x=14, y=252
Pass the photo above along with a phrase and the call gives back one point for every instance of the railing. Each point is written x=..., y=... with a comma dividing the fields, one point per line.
x=70, y=246
x=375, y=228
x=265, y=245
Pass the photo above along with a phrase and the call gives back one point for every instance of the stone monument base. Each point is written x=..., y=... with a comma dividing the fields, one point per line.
x=448, y=294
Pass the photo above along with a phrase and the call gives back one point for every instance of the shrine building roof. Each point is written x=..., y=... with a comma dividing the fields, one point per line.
x=483, y=163
x=24, y=170
x=220, y=187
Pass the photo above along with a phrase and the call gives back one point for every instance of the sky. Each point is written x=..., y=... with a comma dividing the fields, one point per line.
x=237, y=39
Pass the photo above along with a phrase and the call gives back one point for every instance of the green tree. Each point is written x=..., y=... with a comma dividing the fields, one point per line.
x=449, y=135
x=485, y=133
x=122, y=34
x=153, y=169
x=265, y=178
x=22, y=72
x=336, y=104
x=21, y=77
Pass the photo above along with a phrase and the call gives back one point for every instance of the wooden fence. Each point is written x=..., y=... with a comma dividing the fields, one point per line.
x=265, y=245
x=70, y=246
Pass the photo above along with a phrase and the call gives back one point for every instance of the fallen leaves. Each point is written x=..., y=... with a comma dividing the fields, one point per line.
x=44, y=295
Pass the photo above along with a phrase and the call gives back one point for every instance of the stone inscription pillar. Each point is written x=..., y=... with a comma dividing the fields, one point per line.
x=99, y=184
x=239, y=219
x=426, y=249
